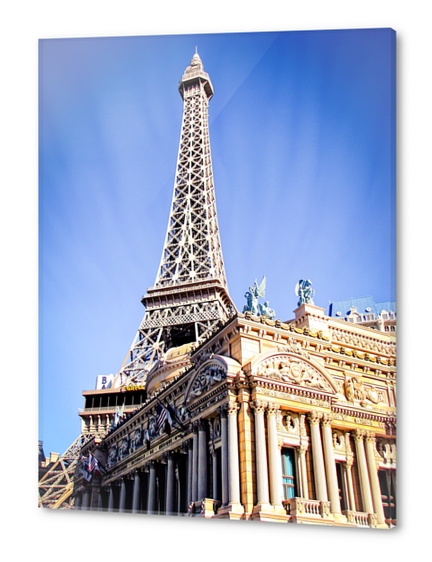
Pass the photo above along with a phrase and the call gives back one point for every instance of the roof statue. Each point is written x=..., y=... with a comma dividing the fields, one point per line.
x=305, y=292
x=252, y=297
x=266, y=311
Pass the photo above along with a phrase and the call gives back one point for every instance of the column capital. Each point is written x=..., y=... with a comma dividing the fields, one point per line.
x=186, y=446
x=359, y=435
x=272, y=409
x=163, y=459
x=370, y=437
x=259, y=406
x=223, y=410
x=327, y=419
x=202, y=424
x=303, y=448
x=148, y=465
x=233, y=408
x=314, y=417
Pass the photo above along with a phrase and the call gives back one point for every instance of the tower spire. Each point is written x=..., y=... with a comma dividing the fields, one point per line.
x=190, y=296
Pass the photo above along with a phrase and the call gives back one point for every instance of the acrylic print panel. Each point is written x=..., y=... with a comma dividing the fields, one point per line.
x=258, y=381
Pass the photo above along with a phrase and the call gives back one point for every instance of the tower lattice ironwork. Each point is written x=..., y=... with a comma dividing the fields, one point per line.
x=56, y=485
x=190, y=296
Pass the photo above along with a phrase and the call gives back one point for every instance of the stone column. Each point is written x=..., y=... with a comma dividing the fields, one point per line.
x=224, y=455
x=151, y=499
x=189, y=472
x=303, y=472
x=100, y=508
x=111, y=498
x=318, y=459
x=77, y=503
x=373, y=477
x=86, y=500
x=274, y=457
x=215, y=471
x=202, y=460
x=261, y=454
x=233, y=455
x=195, y=463
x=122, y=502
x=170, y=485
x=363, y=472
x=136, y=492
x=348, y=473
x=332, y=483
x=348, y=467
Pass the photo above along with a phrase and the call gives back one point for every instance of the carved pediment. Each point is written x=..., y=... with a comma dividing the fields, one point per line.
x=209, y=375
x=295, y=369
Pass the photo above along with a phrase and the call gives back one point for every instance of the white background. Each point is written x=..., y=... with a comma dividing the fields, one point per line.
x=28, y=531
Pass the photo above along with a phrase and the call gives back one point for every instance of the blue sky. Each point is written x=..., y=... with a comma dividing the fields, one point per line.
x=302, y=135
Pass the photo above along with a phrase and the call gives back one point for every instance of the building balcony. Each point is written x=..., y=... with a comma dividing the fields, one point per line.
x=301, y=510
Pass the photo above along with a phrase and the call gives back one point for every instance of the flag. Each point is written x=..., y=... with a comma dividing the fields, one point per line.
x=93, y=465
x=85, y=471
x=172, y=410
x=121, y=412
x=163, y=419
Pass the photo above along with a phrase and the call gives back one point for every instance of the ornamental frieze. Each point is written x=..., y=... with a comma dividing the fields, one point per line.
x=357, y=340
x=292, y=397
x=209, y=403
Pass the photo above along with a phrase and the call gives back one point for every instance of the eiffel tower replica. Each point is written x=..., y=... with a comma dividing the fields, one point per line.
x=190, y=296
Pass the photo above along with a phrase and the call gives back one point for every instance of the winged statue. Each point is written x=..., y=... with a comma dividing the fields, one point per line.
x=305, y=292
x=253, y=295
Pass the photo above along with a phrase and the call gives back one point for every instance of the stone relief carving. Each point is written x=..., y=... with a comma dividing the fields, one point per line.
x=123, y=448
x=291, y=423
x=202, y=358
x=294, y=371
x=387, y=451
x=338, y=441
x=136, y=440
x=293, y=346
x=216, y=428
x=183, y=414
x=355, y=390
x=212, y=375
x=112, y=456
x=152, y=430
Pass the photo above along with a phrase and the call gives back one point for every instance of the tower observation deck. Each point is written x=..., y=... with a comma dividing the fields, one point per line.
x=190, y=297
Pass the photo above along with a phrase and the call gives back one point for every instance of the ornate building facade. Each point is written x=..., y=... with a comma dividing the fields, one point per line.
x=238, y=415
